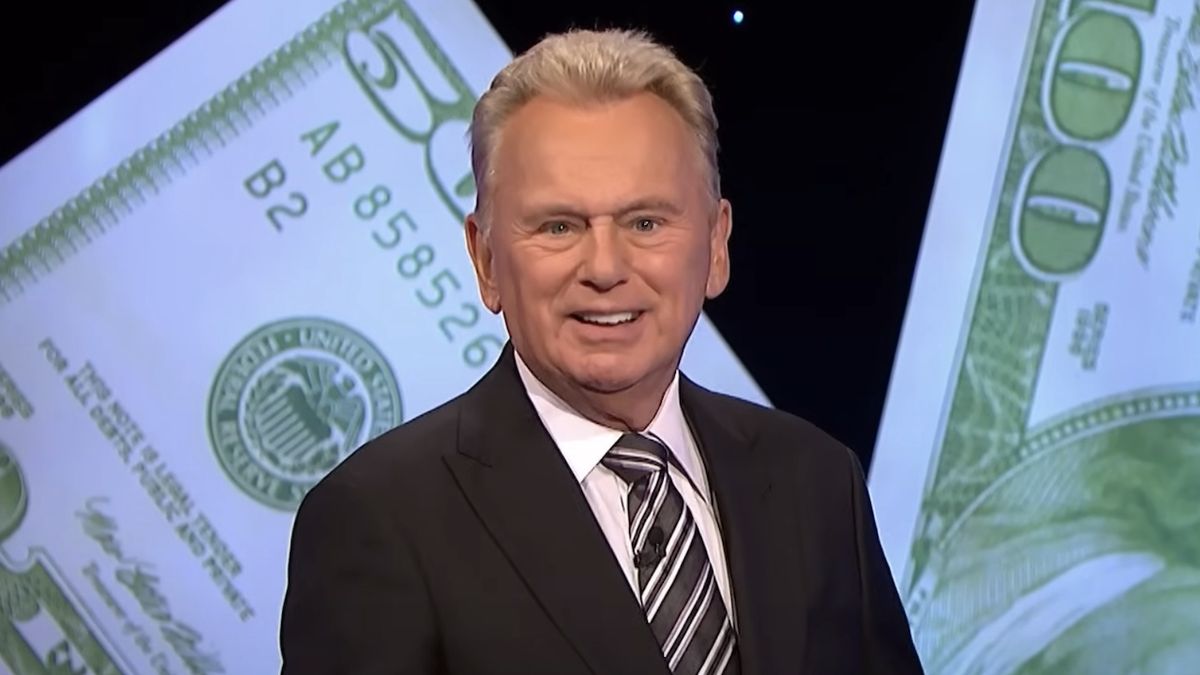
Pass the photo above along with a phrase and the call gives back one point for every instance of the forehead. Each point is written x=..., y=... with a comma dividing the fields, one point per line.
x=595, y=153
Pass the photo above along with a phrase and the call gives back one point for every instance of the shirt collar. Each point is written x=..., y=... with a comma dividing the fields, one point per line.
x=583, y=443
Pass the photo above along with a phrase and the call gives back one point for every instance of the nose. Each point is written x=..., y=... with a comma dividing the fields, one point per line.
x=605, y=264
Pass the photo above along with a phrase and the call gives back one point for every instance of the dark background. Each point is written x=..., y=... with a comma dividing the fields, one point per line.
x=832, y=116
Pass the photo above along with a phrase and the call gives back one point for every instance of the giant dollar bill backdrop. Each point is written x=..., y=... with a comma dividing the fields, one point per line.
x=216, y=281
x=1037, y=474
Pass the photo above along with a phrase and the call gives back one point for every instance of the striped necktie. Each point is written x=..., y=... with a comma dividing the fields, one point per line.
x=678, y=589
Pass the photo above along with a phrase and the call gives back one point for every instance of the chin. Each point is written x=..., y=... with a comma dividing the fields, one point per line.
x=606, y=385
x=609, y=374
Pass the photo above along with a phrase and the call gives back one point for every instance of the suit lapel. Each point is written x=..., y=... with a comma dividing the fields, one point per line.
x=764, y=563
x=527, y=497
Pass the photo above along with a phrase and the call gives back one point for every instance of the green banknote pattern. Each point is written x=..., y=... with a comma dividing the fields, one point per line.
x=1015, y=520
x=24, y=594
x=220, y=121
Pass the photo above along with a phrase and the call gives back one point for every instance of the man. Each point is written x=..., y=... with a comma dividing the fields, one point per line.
x=585, y=508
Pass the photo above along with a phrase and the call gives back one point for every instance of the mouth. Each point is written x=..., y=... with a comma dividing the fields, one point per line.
x=606, y=319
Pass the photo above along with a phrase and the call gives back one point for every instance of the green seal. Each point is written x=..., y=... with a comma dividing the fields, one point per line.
x=292, y=400
x=14, y=496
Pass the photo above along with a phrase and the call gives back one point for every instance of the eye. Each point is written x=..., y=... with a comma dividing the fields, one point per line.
x=557, y=227
x=645, y=224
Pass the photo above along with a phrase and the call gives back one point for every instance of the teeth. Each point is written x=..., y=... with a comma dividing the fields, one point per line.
x=607, y=319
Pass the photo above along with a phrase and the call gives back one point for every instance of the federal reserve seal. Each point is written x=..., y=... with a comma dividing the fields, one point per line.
x=292, y=400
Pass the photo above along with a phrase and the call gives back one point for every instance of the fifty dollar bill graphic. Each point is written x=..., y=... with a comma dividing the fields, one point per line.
x=211, y=319
x=1056, y=529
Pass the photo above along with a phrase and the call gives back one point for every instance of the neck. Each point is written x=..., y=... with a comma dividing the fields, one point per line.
x=631, y=409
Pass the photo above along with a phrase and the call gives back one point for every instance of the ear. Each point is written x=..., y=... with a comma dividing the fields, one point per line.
x=718, y=246
x=479, y=246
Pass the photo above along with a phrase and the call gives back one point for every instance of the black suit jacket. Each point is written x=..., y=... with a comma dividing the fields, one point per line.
x=460, y=542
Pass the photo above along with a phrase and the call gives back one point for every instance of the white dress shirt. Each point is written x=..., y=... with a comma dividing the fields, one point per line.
x=583, y=443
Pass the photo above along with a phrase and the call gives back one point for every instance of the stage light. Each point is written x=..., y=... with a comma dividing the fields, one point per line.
x=738, y=16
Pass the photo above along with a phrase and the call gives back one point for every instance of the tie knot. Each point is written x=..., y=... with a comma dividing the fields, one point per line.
x=635, y=456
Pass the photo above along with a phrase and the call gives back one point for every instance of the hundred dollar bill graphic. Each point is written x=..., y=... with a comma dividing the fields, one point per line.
x=216, y=282
x=1038, y=468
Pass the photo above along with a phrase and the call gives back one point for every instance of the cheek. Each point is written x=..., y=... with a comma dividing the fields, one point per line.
x=533, y=289
x=684, y=275
x=535, y=284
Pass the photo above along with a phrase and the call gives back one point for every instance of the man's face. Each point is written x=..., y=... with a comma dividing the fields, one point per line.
x=604, y=240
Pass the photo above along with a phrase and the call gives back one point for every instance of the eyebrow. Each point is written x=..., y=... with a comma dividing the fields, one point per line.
x=654, y=204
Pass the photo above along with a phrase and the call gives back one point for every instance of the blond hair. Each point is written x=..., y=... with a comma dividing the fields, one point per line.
x=584, y=67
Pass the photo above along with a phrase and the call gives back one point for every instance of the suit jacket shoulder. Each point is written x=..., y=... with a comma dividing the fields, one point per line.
x=781, y=434
x=801, y=535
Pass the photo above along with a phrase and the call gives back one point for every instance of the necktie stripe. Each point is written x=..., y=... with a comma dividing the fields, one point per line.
x=640, y=442
x=631, y=464
x=668, y=519
x=667, y=570
x=719, y=656
x=701, y=592
x=662, y=577
x=691, y=623
x=640, y=507
x=620, y=452
x=679, y=593
x=704, y=639
x=637, y=461
x=652, y=510
x=676, y=541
